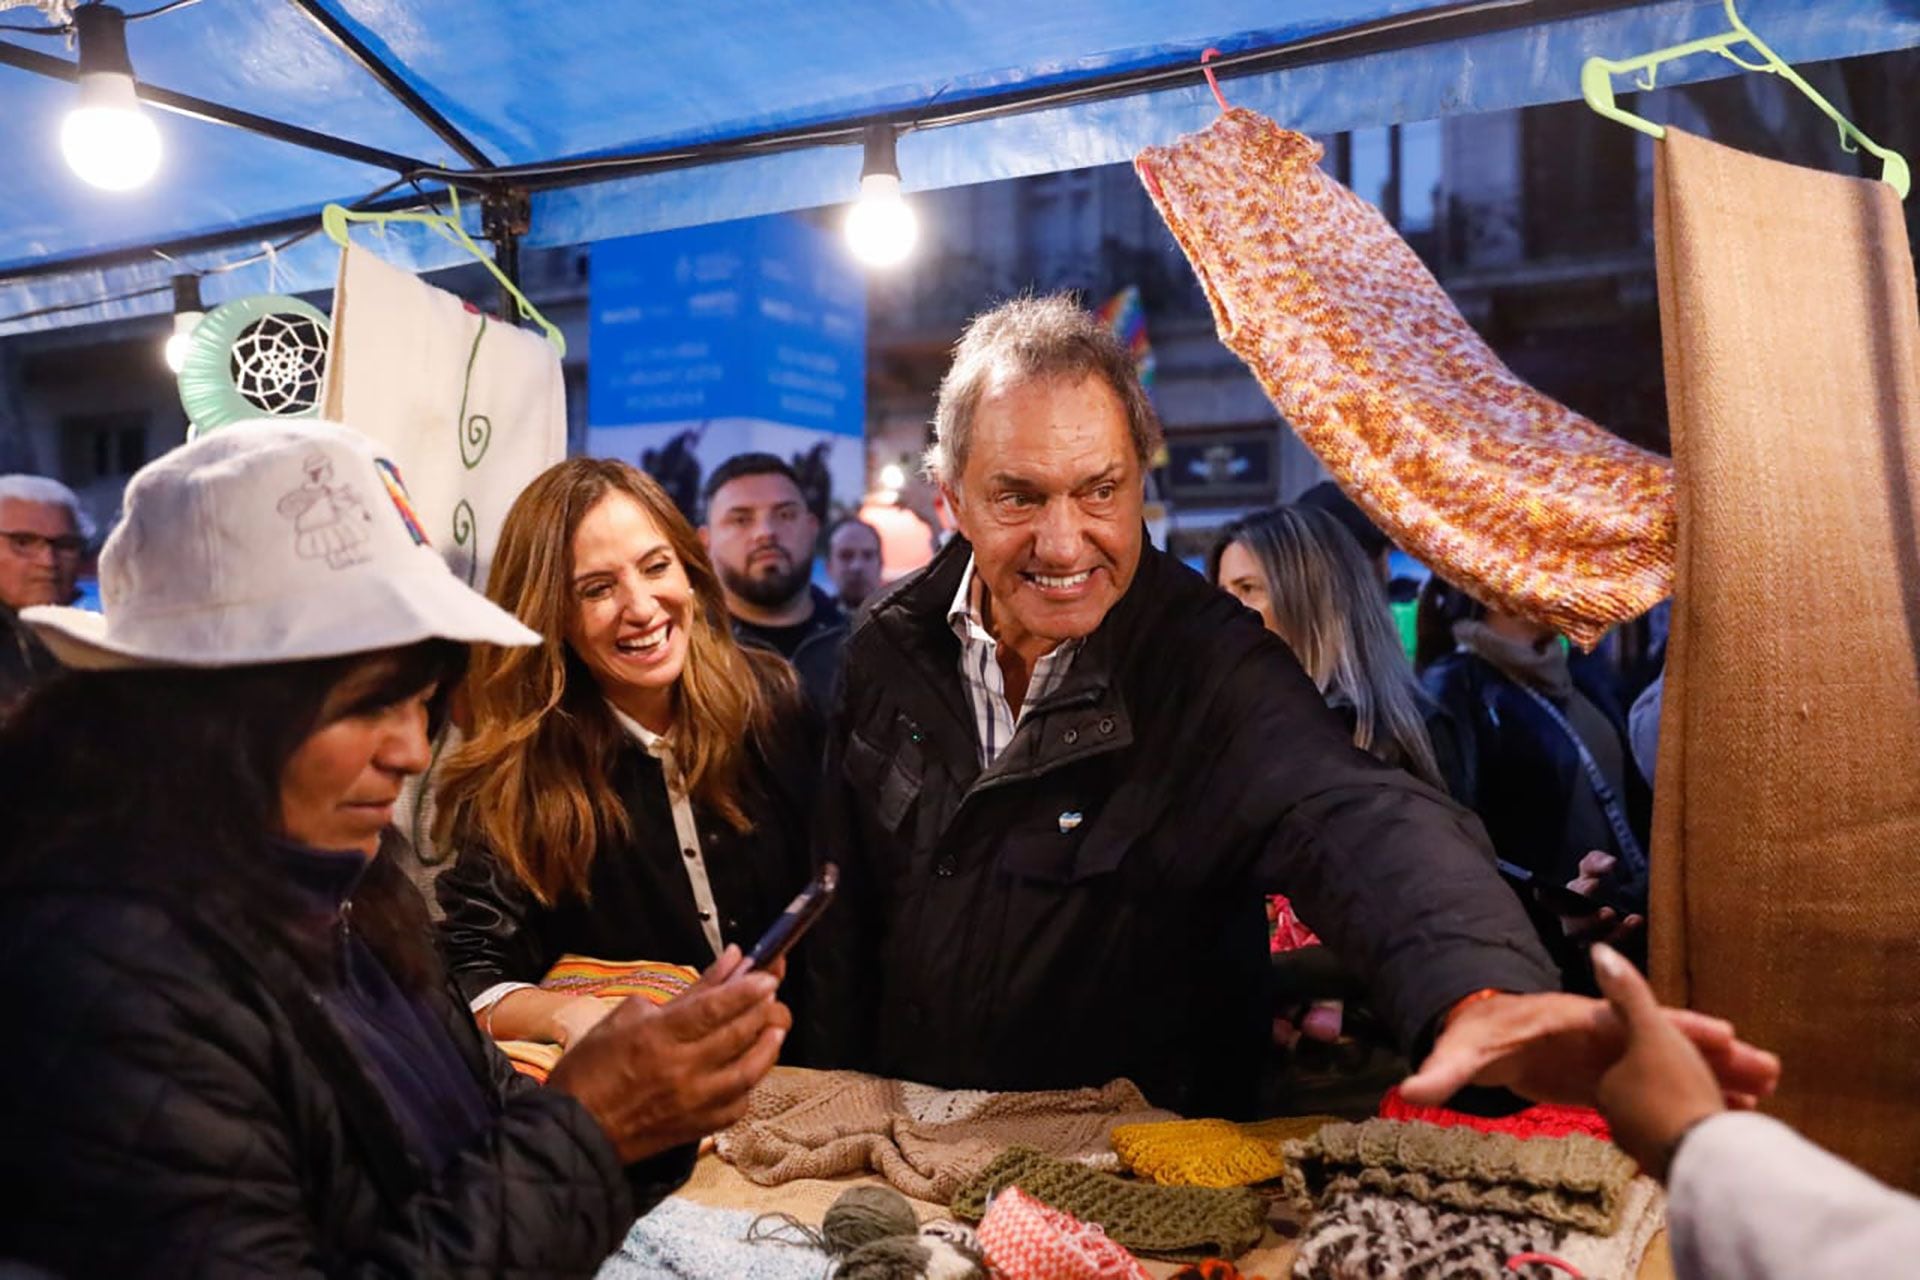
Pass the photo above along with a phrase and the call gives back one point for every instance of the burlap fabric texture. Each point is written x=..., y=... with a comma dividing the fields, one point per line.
x=927, y=1142
x=1573, y=1182
x=1168, y=1222
x=1786, y=849
x=1514, y=498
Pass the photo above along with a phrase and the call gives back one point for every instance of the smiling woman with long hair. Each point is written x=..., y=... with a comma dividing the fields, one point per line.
x=638, y=787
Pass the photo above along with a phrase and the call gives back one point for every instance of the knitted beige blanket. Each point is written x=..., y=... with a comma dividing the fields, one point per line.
x=1574, y=1181
x=927, y=1142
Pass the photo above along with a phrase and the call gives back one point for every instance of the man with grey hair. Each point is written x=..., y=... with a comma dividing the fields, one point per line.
x=1064, y=770
x=43, y=532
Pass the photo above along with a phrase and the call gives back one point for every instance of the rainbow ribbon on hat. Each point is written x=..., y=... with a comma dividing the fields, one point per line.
x=397, y=490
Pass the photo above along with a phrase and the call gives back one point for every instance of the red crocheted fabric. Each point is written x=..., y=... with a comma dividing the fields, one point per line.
x=1285, y=930
x=1026, y=1239
x=1542, y=1120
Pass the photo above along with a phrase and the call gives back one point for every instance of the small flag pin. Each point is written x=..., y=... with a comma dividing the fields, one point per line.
x=1068, y=821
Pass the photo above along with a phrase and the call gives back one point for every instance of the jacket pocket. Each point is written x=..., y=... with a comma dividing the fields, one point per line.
x=1066, y=848
x=892, y=778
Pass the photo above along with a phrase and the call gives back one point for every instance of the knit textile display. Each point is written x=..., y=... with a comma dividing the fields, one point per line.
x=1209, y=1153
x=1363, y=1233
x=1188, y=1223
x=1542, y=1120
x=1366, y=1234
x=1573, y=1181
x=652, y=980
x=927, y=1142
x=680, y=1240
x=1787, y=807
x=1024, y=1239
x=1514, y=498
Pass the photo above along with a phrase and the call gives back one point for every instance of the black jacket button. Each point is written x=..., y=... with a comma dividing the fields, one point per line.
x=1106, y=724
x=1070, y=737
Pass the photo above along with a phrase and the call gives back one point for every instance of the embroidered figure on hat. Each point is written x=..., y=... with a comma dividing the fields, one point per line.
x=402, y=501
x=329, y=520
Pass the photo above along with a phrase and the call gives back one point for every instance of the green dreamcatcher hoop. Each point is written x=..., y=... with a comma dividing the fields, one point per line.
x=263, y=356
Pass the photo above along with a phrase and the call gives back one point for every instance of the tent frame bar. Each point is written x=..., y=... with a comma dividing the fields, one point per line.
x=1468, y=18
x=394, y=83
x=194, y=108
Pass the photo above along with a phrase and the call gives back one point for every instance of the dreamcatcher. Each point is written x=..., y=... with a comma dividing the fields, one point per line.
x=258, y=357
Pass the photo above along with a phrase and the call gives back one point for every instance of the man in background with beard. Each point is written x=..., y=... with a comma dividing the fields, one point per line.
x=761, y=536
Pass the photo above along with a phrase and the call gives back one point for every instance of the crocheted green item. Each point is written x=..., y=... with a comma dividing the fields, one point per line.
x=1574, y=1181
x=1187, y=1223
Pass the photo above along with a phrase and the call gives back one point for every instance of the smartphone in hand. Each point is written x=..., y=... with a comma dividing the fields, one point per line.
x=792, y=923
x=1556, y=898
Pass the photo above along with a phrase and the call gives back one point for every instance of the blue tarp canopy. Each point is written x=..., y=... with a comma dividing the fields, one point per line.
x=996, y=88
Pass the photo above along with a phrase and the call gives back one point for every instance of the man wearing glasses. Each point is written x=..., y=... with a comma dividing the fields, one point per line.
x=42, y=535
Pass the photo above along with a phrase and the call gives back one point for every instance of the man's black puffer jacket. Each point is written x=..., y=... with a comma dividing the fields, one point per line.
x=174, y=1100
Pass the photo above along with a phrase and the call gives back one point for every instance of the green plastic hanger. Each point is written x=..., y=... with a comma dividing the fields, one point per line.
x=334, y=219
x=1596, y=85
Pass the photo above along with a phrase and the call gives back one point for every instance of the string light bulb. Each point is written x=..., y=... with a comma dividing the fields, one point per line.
x=881, y=228
x=107, y=139
x=188, y=312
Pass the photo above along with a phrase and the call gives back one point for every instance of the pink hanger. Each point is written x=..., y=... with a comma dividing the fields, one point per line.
x=1212, y=83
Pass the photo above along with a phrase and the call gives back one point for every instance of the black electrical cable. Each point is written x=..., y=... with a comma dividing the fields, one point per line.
x=237, y=264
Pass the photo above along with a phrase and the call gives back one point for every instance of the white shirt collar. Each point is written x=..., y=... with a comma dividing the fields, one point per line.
x=656, y=744
x=966, y=621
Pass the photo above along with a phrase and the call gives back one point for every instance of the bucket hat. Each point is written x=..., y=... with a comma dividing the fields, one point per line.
x=269, y=541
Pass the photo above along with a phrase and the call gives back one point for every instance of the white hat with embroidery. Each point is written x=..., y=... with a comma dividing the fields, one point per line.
x=270, y=541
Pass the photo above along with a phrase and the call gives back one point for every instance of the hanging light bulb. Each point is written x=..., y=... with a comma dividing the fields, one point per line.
x=188, y=312
x=881, y=228
x=108, y=140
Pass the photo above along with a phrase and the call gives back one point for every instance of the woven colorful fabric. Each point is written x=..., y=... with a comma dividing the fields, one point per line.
x=1024, y=1239
x=1575, y=1181
x=534, y=1058
x=1519, y=501
x=1186, y=1223
x=1208, y=1153
x=651, y=980
x=1543, y=1120
x=926, y=1142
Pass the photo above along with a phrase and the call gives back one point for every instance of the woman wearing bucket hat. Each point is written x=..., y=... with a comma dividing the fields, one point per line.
x=639, y=787
x=230, y=1045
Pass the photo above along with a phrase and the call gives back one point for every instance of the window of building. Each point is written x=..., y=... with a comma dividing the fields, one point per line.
x=102, y=446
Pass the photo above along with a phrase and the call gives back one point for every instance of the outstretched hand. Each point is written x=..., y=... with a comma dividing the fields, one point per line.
x=1556, y=1048
x=1661, y=1086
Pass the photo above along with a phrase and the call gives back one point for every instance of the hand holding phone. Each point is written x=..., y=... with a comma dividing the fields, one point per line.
x=792, y=923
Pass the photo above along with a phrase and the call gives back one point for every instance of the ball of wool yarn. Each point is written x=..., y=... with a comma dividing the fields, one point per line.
x=863, y=1215
x=910, y=1258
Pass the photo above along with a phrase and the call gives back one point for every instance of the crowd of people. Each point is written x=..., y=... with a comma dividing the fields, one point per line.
x=1061, y=775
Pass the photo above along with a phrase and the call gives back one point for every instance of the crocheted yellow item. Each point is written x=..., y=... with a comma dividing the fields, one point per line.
x=1209, y=1153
